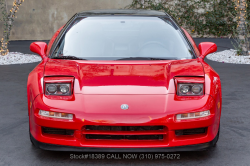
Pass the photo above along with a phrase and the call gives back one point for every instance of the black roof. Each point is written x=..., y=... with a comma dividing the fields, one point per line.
x=123, y=12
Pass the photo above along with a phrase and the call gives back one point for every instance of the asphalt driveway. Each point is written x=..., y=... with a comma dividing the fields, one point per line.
x=233, y=147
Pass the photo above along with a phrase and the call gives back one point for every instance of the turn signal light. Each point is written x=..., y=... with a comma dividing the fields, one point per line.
x=193, y=115
x=56, y=115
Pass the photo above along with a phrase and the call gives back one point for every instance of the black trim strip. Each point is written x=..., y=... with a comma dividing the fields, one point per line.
x=62, y=32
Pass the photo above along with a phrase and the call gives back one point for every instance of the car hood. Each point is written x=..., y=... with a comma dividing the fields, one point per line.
x=124, y=77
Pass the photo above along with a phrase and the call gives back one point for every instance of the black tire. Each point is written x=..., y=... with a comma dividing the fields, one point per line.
x=216, y=138
x=31, y=140
x=30, y=136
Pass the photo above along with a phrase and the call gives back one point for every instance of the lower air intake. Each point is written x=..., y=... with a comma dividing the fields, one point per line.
x=191, y=131
x=124, y=137
x=123, y=128
x=47, y=130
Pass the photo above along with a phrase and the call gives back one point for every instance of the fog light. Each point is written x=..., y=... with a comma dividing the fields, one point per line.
x=55, y=115
x=193, y=115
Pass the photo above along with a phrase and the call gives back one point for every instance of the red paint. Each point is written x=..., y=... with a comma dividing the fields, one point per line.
x=199, y=80
x=148, y=87
x=144, y=77
x=40, y=48
x=207, y=48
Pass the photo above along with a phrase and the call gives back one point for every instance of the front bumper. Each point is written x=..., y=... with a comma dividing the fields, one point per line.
x=52, y=147
x=171, y=142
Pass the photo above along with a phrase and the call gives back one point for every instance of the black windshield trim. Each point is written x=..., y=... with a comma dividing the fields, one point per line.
x=131, y=12
x=60, y=35
x=185, y=37
x=68, y=57
x=145, y=58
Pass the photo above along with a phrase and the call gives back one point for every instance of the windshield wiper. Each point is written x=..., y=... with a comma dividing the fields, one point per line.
x=147, y=58
x=68, y=57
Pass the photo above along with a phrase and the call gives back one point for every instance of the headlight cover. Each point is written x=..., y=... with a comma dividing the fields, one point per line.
x=186, y=89
x=59, y=89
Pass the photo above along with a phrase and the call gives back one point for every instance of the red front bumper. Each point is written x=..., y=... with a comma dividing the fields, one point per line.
x=81, y=119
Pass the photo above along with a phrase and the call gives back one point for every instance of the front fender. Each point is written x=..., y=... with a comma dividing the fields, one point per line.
x=35, y=83
x=212, y=81
x=213, y=88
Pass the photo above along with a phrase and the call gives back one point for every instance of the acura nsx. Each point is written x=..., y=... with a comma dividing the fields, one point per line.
x=123, y=81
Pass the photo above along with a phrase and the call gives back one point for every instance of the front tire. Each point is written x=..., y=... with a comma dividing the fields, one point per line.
x=216, y=138
x=31, y=140
x=30, y=136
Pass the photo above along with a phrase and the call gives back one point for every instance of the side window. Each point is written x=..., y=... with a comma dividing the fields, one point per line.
x=192, y=42
x=53, y=39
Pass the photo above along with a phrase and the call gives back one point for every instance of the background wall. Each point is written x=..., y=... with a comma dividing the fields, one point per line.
x=39, y=19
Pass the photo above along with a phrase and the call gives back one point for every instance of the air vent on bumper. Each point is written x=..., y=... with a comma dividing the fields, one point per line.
x=47, y=130
x=125, y=137
x=123, y=128
x=124, y=132
x=191, y=131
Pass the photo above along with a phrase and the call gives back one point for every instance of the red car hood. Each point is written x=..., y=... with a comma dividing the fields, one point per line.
x=124, y=77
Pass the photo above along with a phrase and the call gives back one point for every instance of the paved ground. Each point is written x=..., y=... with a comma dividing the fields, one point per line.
x=233, y=147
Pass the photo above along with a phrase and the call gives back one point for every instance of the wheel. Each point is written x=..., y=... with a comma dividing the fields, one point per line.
x=30, y=136
x=31, y=140
x=216, y=138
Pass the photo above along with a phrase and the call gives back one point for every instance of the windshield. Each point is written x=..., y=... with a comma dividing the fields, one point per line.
x=122, y=38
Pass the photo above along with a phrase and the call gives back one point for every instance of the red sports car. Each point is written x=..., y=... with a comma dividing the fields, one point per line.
x=123, y=81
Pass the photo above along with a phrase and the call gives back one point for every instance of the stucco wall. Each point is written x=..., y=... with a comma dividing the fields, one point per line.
x=39, y=19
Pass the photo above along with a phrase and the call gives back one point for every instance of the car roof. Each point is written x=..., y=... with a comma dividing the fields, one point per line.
x=123, y=12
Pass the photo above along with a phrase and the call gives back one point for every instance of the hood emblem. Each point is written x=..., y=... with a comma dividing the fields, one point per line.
x=124, y=106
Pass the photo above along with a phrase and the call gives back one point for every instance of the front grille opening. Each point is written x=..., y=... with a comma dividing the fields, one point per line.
x=47, y=130
x=123, y=128
x=124, y=137
x=191, y=131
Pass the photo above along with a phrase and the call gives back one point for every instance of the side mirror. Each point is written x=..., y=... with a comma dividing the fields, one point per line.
x=207, y=48
x=39, y=48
